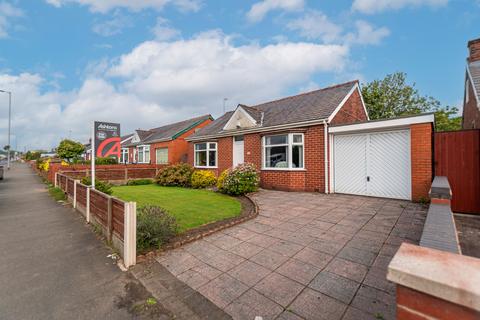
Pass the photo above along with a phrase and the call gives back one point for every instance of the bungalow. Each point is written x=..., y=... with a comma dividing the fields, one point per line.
x=471, y=100
x=321, y=141
x=164, y=144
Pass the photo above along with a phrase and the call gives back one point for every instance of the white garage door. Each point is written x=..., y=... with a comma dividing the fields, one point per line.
x=373, y=164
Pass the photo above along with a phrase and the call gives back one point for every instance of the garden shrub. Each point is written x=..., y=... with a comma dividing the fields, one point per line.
x=203, y=179
x=221, y=179
x=155, y=227
x=241, y=180
x=43, y=164
x=179, y=175
x=139, y=182
x=100, y=185
x=98, y=161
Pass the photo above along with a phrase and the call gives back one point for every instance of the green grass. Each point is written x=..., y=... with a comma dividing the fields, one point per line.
x=56, y=193
x=191, y=207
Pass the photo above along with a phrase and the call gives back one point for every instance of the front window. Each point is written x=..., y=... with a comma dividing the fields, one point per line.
x=283, y=151
x=143, y=154
x=206, y=154
x=161, y=155
x=124, y=155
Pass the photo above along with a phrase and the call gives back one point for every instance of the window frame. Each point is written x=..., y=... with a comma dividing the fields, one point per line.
x=144, y=148
x=207, y=150
x=124, y=155
x=289, y=146
x=156, y=155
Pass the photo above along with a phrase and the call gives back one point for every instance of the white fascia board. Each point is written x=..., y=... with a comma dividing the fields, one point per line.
x=472, y=85
x=384, y=124
x=125, y=140
x=232, y=117
x=345, y=99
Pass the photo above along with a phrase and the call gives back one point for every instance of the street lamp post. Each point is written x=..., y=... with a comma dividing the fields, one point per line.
x=9, y=124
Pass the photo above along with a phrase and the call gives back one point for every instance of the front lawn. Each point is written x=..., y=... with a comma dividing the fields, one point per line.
x=191, y=207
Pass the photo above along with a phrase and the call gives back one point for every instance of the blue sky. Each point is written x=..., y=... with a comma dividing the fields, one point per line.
x=149, y=62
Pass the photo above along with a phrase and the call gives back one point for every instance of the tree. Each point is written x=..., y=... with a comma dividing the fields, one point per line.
x=393, y=97
x=69, y=150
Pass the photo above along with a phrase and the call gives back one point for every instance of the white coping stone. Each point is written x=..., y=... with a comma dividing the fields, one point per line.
x=444, y=275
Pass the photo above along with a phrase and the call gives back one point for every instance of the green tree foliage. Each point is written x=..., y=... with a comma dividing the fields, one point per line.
x=393, y=97
x=32, y=155
x=70, y=150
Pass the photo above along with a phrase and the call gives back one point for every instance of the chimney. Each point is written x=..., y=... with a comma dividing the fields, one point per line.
x=474, y=50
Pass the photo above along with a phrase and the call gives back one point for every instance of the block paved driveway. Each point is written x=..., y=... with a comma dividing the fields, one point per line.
x=306, y=256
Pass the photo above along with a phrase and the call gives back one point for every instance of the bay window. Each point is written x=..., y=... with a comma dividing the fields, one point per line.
x=143, y=154
x=283, y=151
x=206, y=155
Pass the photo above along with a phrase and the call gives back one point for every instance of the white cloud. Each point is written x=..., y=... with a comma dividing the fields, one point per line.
x=258, y=10
x=104, y=6
x=316, y=25
x=163, y=31
x=367, y=34
x=112, y=26
x=161, y=82
x=374, y=6
x=7, y=13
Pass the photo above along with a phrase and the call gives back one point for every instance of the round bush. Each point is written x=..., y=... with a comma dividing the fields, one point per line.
x=203, y=179
x=179, y=175
x=100, y=185
x=155, y=227
x=241, y=180
x=221, y=179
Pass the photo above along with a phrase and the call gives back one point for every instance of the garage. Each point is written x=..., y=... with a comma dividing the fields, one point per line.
x=374, y=158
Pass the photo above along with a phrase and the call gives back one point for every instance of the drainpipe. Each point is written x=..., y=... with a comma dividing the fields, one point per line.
x=325, y=145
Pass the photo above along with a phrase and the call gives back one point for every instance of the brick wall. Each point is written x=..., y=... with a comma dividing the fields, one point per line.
x=421, y=154
x=351, y=112
x=474, y=49
x=471, y=111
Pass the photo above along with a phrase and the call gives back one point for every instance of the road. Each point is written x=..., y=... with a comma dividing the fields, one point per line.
x=52, y=266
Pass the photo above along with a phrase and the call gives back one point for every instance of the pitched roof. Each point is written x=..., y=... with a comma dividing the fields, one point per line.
x=474, y=69
x=314, y=105
x=169, y=131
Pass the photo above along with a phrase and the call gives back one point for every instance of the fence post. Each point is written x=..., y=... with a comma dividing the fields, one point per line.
x=87, y=209
x=75, y=193
x=109, y=219
x=130, y=234
x=56, y=177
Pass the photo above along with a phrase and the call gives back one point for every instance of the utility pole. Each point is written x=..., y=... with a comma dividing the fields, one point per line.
x=9, y=124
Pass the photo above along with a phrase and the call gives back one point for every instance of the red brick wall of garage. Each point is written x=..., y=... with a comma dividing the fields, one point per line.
x=421, y=157
x=471, y=112
x=352, y=111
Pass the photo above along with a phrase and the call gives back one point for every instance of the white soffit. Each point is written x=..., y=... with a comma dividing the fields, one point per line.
x=383, y=124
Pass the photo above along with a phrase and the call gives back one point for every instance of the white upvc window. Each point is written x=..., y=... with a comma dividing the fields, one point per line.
x=124, y=155
x=143, y=154
x=283, y=152
x=161, y=155
x=206, y=155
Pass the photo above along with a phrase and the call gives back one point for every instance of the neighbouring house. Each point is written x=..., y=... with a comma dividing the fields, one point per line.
x=471, y=100
x=124, y=140
x=321, y=141
x=163, y=145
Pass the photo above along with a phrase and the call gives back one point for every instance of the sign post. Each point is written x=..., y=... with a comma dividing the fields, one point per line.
x=105, y=143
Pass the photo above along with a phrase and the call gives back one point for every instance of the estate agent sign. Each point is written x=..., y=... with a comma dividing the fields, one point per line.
x=106, y=142
x=107, y=139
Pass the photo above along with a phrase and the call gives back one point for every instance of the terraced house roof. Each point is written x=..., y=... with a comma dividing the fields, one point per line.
x=315, y=105
x=169, y=131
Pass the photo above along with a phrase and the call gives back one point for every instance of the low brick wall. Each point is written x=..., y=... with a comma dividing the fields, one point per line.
x=434, y=281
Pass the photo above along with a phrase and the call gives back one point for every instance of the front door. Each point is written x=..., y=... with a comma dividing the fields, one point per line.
x=238, y=150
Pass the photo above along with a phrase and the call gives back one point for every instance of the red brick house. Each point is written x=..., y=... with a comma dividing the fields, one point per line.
x=321, y=141
x=471, y=100
x=162, y=145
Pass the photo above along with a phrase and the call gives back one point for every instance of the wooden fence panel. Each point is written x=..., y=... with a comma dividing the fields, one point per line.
x=82, y=195
x=99, y=207
x=70, y=187
x=457, y=156
x=118, y=217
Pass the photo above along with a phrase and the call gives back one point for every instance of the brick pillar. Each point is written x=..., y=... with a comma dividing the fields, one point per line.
x=422, y=159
